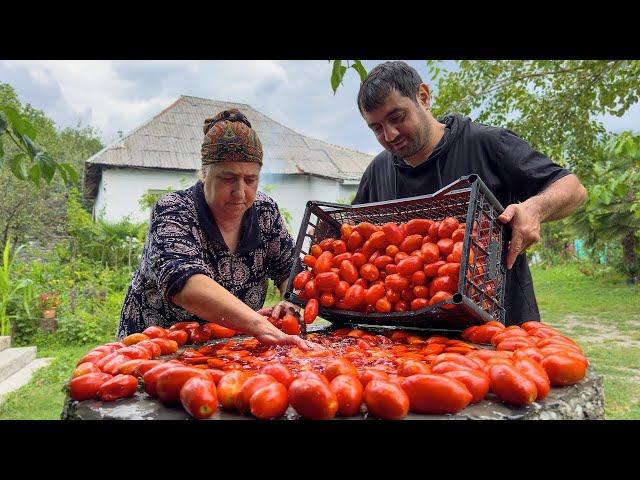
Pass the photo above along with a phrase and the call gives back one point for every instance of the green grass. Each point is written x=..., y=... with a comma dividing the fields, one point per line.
x=42, y=398
x=601, y=313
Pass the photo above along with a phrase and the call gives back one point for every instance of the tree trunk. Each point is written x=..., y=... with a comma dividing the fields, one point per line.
x=629, y=254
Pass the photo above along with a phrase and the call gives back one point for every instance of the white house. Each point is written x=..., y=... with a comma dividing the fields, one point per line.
x=164, y=153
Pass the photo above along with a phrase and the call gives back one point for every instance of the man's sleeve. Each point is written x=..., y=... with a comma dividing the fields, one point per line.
x=525, y=171
x=174, y=253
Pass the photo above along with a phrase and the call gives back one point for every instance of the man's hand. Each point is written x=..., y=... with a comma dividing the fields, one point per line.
x=524, y=221
x=281, y=308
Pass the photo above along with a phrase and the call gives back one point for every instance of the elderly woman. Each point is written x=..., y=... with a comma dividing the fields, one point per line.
x=212, y=247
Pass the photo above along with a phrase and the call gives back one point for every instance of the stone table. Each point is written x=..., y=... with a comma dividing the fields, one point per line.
x=576, y=402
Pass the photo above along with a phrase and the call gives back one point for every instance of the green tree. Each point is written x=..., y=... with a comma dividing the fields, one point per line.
x=18, y=148
x=34, y=211
x=612, y=210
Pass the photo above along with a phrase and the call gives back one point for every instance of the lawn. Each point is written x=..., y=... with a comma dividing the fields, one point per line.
x=600, y=313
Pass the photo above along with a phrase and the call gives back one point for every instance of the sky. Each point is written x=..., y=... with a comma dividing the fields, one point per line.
x=117, y=96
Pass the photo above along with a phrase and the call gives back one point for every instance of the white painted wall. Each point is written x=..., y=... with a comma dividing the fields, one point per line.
x=121, y=188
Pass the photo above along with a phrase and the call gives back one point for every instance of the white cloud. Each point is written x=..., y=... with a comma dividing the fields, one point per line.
x=121, y=95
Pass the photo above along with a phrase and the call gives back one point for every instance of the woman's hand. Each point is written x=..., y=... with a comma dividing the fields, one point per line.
x=277, y=337
x=280, y=309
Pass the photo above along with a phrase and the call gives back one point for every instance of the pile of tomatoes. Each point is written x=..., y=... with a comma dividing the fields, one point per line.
x=385, y=375
x=385, y=268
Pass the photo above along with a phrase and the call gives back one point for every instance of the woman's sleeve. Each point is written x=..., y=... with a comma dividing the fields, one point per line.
x=174, y=252
x=279, y=250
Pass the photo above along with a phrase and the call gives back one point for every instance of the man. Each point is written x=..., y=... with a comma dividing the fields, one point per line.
x=423, y=154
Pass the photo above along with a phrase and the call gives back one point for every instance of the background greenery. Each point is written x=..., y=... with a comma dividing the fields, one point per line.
x=55, y=246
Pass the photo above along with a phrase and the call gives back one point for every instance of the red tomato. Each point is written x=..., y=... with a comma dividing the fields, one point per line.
x=420, y=291
x=409, y=266
x=392, y=233
x=457, y=252
x=144, y=366
x=444, y=283
x=348, y=391
x=310, y=289
x=308, y=374
x=167, y=347
x=411, y=243
x=445, y=245
x=563, y=369
x=251, y=386
x=476, y=381
x=511, y=385
x=301, y=279
x=270, y=401
x=396, y=282
x=339, y=246
x=419, y=303
x=392, y=251
x=431, y=270
x=341, y=289
x=323, y=263
x=310, y=311
x=485, y=333
x=120, y=386
x=199, y=397
x=202, y=334
x=386, y=400
x=327, y=300
x=447, y=227
x=378, y=240
x=355, y=241
x=348, y=272
x=449, y=269
x=369, y=272
x=340, y=366
x=383, y=305
x=418, y=278
x=458, y=235
x=290, y=325
x=400, y=306
x=85, y=368
x=338, y=259
x=441, y=296
x=134, y=338
x=312, y=399
x=366, y=229
x=327, y=281
x=374, y=293
x=436, y=394
x=326, y=244
x=309, y=260
x=354, y=297
x=413, y=367
x=315, y=250
x=129, y=367
x=155, y=332
x=218, y=331
x=345, y=231
x=418, y=226
x=229, y=387
x=178, y=336
x=280, y=372
x=536, y=373
x=86, y=387
x=150, y=377
x=431, y=252
x=170, y=382
x=372, y=374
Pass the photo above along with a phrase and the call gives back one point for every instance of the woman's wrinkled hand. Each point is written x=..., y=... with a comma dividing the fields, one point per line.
x=280, y=309
x=278, y=337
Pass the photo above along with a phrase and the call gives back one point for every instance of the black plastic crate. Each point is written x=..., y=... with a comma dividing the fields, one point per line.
x=480, y=295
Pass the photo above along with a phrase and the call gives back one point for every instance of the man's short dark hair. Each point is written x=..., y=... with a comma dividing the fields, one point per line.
x=385, y=78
